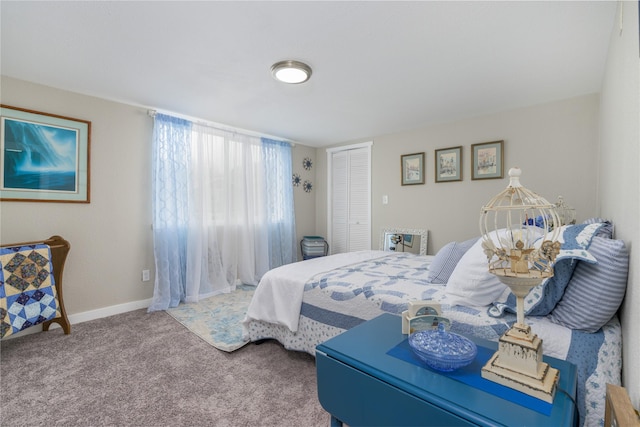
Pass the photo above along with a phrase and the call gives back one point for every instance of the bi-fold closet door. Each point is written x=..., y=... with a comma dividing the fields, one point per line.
x=349, y=198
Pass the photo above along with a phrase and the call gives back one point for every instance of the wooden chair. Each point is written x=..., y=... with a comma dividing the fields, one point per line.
x=618, y=410
x=59, y=250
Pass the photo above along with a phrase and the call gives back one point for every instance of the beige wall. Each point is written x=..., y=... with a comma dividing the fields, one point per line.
x=111, y=237
x=585, y=149
x=111, y=241
x=619, y=156
x=554, y=145
x=305, y=202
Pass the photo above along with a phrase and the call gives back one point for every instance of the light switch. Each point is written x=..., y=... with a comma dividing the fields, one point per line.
x=385, y=200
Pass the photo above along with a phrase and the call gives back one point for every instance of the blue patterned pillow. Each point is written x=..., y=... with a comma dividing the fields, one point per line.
x=576, y=240
x=542, y=299
x=607, y=227
x=595, y=291
x=446, y=260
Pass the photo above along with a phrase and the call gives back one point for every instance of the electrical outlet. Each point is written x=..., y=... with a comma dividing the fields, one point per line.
x=145, y=275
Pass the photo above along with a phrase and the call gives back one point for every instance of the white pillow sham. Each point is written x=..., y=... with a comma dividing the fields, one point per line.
x=471, y=283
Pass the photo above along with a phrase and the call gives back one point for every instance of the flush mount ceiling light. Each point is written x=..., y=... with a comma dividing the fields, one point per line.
x=291, y=72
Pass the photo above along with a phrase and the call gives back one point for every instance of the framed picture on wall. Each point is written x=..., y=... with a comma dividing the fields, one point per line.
x=448, y=164
x=43, y=157
x=412, y=166
x=487, y=160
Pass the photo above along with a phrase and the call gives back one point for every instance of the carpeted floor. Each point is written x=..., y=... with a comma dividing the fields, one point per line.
x=217, y=319
x=146, y=369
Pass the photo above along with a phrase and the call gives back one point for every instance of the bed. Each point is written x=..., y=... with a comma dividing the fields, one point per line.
x=303, y=304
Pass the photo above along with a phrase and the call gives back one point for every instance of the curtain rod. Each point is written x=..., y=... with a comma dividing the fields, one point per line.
x=218, y=126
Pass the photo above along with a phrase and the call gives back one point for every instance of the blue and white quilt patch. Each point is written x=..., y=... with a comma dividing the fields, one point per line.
x=27, y=288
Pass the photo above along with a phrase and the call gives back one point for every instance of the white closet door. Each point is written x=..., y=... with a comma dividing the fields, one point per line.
x=359, y=201
x=339, y=203
x=350, y=200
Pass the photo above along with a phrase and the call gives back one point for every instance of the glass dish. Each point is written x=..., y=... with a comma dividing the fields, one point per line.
x=442, y=350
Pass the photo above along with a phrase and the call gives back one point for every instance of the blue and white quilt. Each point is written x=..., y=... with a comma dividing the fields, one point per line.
x=344, y=296
x=27, y=288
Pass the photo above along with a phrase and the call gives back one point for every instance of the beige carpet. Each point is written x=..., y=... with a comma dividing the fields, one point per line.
x=146, y=369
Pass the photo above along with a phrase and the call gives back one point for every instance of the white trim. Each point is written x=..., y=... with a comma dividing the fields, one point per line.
x=90, y=315
x=108, y=311
x=330, y=152
x=350, y=147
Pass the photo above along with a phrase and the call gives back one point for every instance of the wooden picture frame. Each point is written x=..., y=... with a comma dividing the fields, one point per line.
x=412, y=167
x=43, y=157
x=448, y=164
x=487, y=160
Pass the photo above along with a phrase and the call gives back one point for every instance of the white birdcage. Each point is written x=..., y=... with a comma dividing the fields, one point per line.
x=520, y=233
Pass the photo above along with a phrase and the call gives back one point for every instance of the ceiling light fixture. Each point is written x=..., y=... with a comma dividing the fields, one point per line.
x=293, y=72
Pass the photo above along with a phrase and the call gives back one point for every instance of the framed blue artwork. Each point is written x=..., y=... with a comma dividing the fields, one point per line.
x=43, y=157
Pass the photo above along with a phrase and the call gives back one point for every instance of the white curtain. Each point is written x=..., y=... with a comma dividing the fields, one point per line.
x=231, y=213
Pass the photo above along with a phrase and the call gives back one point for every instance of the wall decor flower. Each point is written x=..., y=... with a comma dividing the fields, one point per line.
x=306, y=163
x=296, y=180
x=307, y=186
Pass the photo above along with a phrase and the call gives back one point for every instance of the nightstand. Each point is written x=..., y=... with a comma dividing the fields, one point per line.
x=363, y=380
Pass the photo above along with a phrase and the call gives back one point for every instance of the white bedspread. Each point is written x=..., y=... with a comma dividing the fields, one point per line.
x=278, y=298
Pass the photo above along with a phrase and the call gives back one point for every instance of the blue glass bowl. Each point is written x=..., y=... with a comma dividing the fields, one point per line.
x=441, y=350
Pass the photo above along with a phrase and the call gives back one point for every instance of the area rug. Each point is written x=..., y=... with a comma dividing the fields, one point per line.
x=217, y=319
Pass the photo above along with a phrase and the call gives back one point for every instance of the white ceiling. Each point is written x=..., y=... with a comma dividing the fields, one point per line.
x=378, y=67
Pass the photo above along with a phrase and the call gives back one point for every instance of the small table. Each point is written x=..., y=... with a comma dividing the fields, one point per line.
x=360, y=383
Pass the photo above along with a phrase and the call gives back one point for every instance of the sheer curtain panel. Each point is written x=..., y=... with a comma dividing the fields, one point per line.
x=280, y=214
x=227, y=239
x=236, y=212
x=170, y=183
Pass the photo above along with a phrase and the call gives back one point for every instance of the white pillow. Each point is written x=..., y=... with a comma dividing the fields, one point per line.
x=471, y=283
x=446, y=259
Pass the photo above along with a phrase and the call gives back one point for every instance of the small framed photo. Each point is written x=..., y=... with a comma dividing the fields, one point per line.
x=449, y=164
x=412, y=168
x=487, y=160
x=43, y=157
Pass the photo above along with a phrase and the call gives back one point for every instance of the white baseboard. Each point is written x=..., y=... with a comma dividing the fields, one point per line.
x=90, y=315
x=107, y=311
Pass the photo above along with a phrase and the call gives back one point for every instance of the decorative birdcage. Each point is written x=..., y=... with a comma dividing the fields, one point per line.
x=520, y=232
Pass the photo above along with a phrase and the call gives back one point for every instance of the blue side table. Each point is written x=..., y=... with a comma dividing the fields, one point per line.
x=363, y=381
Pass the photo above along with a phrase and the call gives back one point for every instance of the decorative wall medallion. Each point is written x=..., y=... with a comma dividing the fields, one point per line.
x=296, y=180
x=307, y=186
x=306, y=163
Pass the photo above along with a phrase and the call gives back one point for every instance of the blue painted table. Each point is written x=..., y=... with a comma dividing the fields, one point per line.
x=363, y=382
